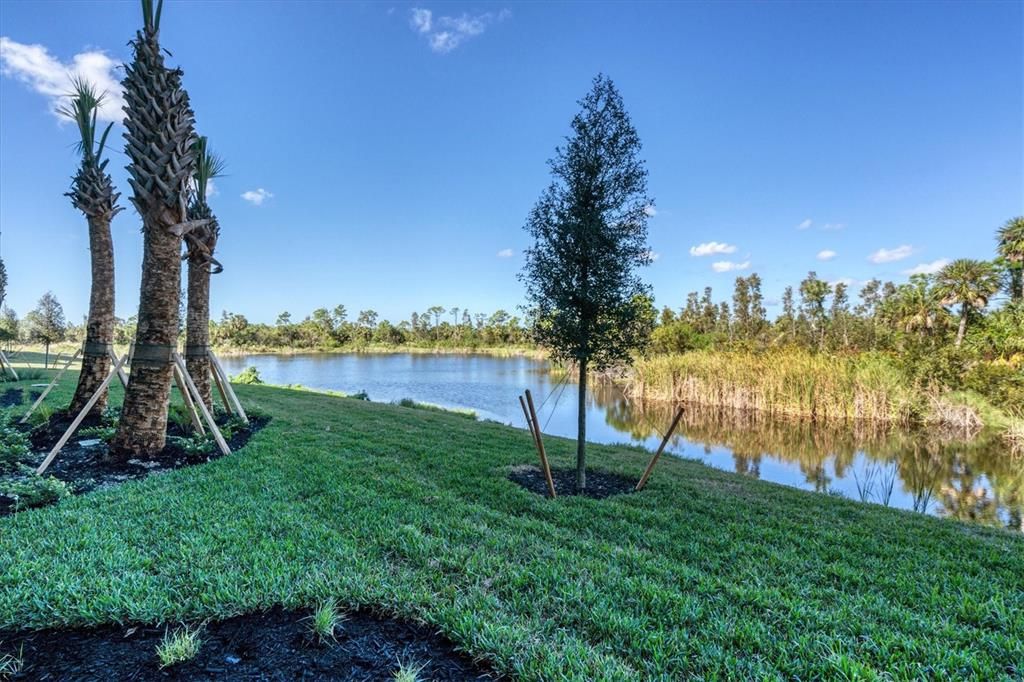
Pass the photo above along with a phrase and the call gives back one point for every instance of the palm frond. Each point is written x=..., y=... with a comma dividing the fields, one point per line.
x=82, y=107
x=208, y=167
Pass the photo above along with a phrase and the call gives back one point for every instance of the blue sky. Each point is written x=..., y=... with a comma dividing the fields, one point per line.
x=391, y=152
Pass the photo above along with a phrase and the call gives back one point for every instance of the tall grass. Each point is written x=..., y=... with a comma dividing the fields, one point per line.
x=787, y=383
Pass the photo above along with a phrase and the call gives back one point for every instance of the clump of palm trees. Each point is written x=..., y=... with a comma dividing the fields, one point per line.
x=169, y=171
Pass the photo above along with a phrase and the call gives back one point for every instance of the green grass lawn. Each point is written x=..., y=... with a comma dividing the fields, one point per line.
x=705, y=573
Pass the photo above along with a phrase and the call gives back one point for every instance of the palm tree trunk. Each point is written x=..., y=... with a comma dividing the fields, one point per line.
x=197, y=333
x=581, y=432
x=963, y=325
x=142, y=430
x=99, y=333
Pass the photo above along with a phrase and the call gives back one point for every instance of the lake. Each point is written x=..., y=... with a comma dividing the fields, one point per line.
x=974, y=480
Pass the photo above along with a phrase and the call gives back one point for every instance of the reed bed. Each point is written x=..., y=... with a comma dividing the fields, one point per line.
x=784, y=383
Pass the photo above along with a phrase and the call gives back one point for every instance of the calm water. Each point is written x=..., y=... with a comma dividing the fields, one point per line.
x=976, y=480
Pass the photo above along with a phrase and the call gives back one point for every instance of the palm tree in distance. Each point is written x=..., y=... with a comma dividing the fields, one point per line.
x=160, y=138
x=1011, y=249
x=969, y=284
x=201, y=264
x=92, y=193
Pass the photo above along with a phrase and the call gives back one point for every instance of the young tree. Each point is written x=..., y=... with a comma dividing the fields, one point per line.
x=813, y=293
x=968, y=283
x=741, y=307
x=3, y=282
x=202, y=242
x=46, y=323
x=8, y=326
x=757, y=311
x=589, y=231
x=1011, y=250
x=92, y=193
x=788, y=317
x=159, y=135
x=840, y=313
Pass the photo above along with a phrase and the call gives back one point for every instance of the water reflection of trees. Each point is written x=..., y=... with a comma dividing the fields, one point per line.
x=974, y=480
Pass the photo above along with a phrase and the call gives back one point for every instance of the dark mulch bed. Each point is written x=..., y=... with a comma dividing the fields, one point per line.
x=273, y=645
x=11, y=397
x=600, y=484
x=83, y=464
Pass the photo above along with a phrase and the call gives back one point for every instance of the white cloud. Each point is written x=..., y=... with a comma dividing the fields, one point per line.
x=891, y=255
x=211, y=189
x=826, y=254
x=833, y=226
x=927, y=268
x=506, y=253
x=711, y=248
x=848, y=281
x=804, y=225
x=445, y=33
x=421, y=20
x=257, y=196
x=653, y=255
x=729, y=266
x=47, y=75
x=650, y=211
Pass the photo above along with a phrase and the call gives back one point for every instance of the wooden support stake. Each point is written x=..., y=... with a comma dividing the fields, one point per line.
x=120, y=373
x=5, y=362
x=228, y=388
x=189, y=404
x=221, y=443
x=529, y=422
x=46, y=391
x=215, y=375
x=654, y=460
x=81, y=415
x=540, y=446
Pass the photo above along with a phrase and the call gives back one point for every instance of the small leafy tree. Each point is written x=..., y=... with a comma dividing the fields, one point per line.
x=1011, y=249
x=589, y=229
x=8, y=325
x=47, y=324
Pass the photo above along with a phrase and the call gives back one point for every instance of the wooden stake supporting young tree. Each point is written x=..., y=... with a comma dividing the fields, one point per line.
x=5, y=364
x=226, y=387
x=46, y=391
x=120, y=373
x=215, y=375
x=221, y=443
x=189, y=403
x=545, y=466
x=81, y=415
x=664, y=442
x=529, y=422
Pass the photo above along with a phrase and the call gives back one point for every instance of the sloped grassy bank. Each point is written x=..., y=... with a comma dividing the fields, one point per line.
x=411, y=512
x=797, y=383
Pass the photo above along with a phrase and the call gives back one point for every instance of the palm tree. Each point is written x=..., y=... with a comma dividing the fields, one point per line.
x=919, y=306
x=160, y=137
x=201, y=264
x=1011, y=249
x=968, y=283
x=92, y=193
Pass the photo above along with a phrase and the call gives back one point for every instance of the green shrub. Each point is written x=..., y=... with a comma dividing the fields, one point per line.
x=15, y=447
x=31, y=490
x=250, y=375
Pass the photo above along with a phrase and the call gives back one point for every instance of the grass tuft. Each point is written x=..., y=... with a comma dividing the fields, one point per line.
x=408, y=672
x=181, y=645
x=11, y=665
x=325, y=620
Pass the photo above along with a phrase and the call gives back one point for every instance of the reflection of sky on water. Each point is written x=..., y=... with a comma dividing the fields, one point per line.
x=973, y=482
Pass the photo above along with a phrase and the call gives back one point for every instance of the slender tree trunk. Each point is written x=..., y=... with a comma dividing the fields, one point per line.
x=46, y=356
x=197, y=332
x=99, y=332
x=142, y=430
x=581, y=433
x=963, y=326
